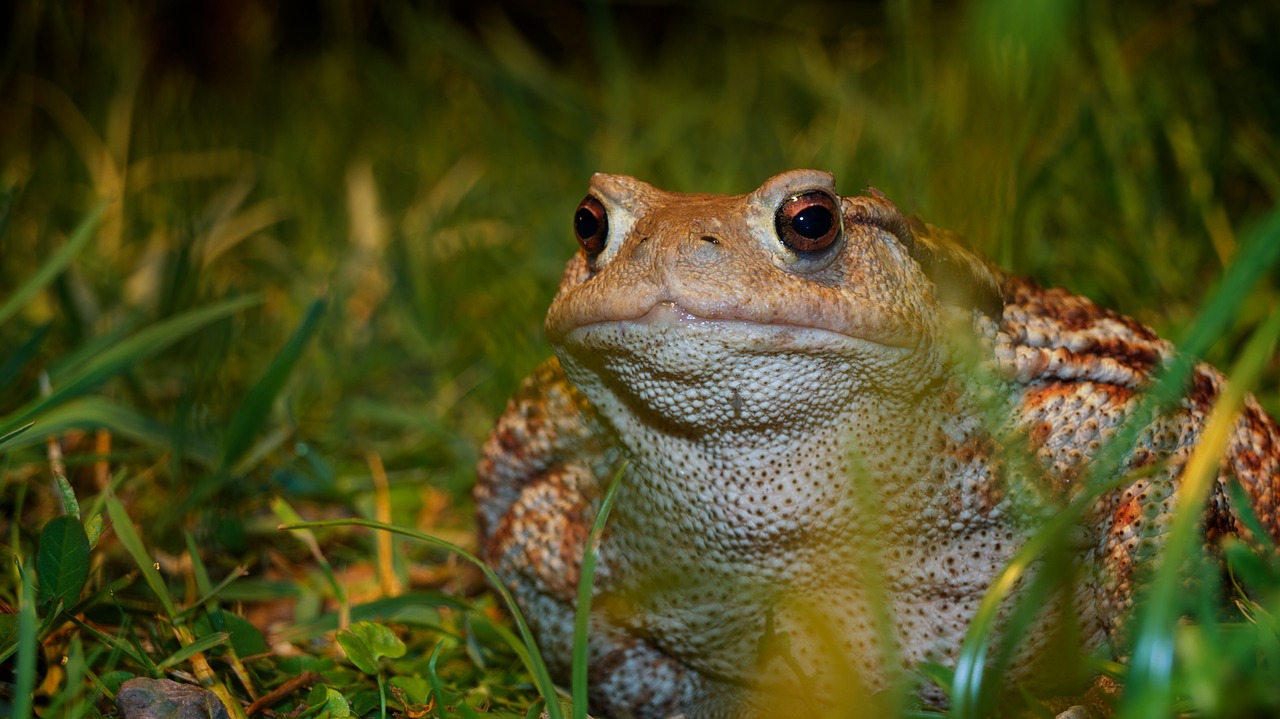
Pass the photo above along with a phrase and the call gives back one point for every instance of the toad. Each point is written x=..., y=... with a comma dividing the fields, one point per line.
x=835, y=426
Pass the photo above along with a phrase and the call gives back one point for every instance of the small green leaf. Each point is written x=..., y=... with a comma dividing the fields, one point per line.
x=416, y=689
x=68, y=495
x=382, y=640
x=358, y=651
x=366, y=702
x=245, y=638
x=366, y=642
x=330, y=700
x=93, y=528
x=113, y=680
x=63, y=562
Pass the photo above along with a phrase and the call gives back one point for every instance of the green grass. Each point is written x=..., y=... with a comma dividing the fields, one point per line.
x=257, y=253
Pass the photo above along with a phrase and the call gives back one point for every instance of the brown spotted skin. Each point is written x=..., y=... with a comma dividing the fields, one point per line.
x=829, y=455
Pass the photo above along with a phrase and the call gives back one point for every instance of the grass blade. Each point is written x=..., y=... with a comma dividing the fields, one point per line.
x=54, y=265
x=1149, y=690
x=128, y=537
x=132, y=651
x=73, y=361
x=437, y=687
x=256, y=408
x=91, y=413
x=209, y=641
x=14, y=363
x=1255, y=260
x=532, y=658
x=6, y=208
x=7, y=440
x=28, y=646
x=582, y=613
x=289, y=516
x=207, y=596
x=969, y=694
x=127, y=354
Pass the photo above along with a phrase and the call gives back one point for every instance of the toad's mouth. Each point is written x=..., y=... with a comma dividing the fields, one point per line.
x=669, y=319
x=691, y=374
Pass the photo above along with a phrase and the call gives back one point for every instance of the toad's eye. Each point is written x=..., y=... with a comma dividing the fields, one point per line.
x=591, y=225
x=808, y=222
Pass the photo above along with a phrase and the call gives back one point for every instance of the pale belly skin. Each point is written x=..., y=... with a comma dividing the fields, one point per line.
x=829, y=454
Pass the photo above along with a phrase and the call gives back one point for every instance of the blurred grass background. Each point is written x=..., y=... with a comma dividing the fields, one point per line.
x=415, y=166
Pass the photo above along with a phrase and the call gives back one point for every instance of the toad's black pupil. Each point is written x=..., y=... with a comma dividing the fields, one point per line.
x=585, y=223
x=812, y=222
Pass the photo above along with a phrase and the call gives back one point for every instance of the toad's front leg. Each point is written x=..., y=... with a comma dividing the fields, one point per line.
x=537, y=549
x=535, y=499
